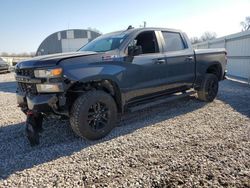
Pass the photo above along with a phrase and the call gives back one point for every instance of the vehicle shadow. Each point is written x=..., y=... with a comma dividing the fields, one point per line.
x=58, y=140
x=9, y=87
x=237, y=95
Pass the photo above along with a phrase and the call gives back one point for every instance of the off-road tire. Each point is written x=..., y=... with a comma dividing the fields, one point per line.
x=209, y=88
x=80, y=111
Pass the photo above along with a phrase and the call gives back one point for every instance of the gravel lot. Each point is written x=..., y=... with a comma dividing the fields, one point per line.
x=185, y=143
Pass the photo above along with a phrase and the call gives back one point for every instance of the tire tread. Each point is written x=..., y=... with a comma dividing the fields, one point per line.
x=202, y=91
x=76, y=110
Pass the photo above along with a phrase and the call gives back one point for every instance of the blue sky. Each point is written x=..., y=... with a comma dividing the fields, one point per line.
x=24, y=24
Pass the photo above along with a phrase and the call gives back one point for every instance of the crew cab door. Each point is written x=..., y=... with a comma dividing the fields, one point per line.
x=180, y=60
x=146, y=70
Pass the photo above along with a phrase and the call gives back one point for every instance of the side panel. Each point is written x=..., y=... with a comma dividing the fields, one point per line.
x=181, y=68
x=180, y=60
x=135, y=79
x=144, y=75
x=205, y=60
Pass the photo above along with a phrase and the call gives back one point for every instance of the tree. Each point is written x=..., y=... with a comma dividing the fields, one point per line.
x=204, y=37
x=208, y=36
x=194, y=40
x=245, y=24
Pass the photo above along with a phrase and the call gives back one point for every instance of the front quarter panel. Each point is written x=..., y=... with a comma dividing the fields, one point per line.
x=84, y=70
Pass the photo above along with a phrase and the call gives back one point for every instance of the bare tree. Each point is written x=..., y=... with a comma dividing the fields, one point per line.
x=204, y=37
x=195, y=40
x=208, y=36
x=245, y=24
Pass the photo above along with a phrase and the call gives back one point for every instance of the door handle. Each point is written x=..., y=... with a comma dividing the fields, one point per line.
x=189, y=58
x=160, y=61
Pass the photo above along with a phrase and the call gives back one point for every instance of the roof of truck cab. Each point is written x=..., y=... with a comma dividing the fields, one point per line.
x=128, y=31
x=154, y=28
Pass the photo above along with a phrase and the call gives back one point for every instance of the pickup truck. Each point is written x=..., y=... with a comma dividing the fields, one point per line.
x=112, y=74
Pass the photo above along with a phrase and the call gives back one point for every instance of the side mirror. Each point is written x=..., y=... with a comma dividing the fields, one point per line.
x=134, y=50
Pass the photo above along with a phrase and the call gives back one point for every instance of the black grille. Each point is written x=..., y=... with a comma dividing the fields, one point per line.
x=27, y=88
x=25, y=72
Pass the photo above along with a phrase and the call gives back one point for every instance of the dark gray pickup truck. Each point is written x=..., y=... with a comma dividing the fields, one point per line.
x=117, y=72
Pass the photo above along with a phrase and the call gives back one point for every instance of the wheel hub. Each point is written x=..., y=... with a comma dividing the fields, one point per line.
x=98, y=116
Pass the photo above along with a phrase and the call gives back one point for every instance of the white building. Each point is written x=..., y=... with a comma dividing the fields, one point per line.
x=66, y=41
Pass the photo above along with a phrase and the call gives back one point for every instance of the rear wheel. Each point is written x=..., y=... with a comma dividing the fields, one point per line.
x=93, y=115
x=209, y=88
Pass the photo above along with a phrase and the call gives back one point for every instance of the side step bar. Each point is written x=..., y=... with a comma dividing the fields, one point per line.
x=161, y=100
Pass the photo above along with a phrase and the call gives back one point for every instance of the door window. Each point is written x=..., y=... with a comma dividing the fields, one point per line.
x=148, y=42
x=173, y=41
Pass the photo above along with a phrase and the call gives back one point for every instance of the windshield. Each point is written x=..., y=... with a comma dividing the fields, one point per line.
x=104, y=44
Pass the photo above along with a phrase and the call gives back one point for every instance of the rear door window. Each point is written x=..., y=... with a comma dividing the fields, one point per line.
x=173, y=41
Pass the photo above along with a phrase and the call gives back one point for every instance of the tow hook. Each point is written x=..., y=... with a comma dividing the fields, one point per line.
x=34, y=123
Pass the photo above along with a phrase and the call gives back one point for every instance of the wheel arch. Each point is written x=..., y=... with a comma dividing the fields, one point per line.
x=216, y=69
x=106, y=84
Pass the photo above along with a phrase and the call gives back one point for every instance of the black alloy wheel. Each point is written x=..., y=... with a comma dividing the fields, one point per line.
x=98, y=116
x=93, y=114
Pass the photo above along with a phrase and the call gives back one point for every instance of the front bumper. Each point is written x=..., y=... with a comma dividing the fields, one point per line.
x=46, y=103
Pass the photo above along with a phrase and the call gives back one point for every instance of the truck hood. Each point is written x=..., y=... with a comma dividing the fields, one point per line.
x=51, y=60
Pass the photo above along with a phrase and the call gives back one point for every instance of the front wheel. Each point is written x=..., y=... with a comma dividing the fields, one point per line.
x=93, y=115
x=209, y=88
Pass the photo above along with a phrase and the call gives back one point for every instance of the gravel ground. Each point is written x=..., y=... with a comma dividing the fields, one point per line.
x=184, y=143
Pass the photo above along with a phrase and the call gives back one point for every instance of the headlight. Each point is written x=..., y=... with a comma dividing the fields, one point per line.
x=48, y=73
x=49, y=88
